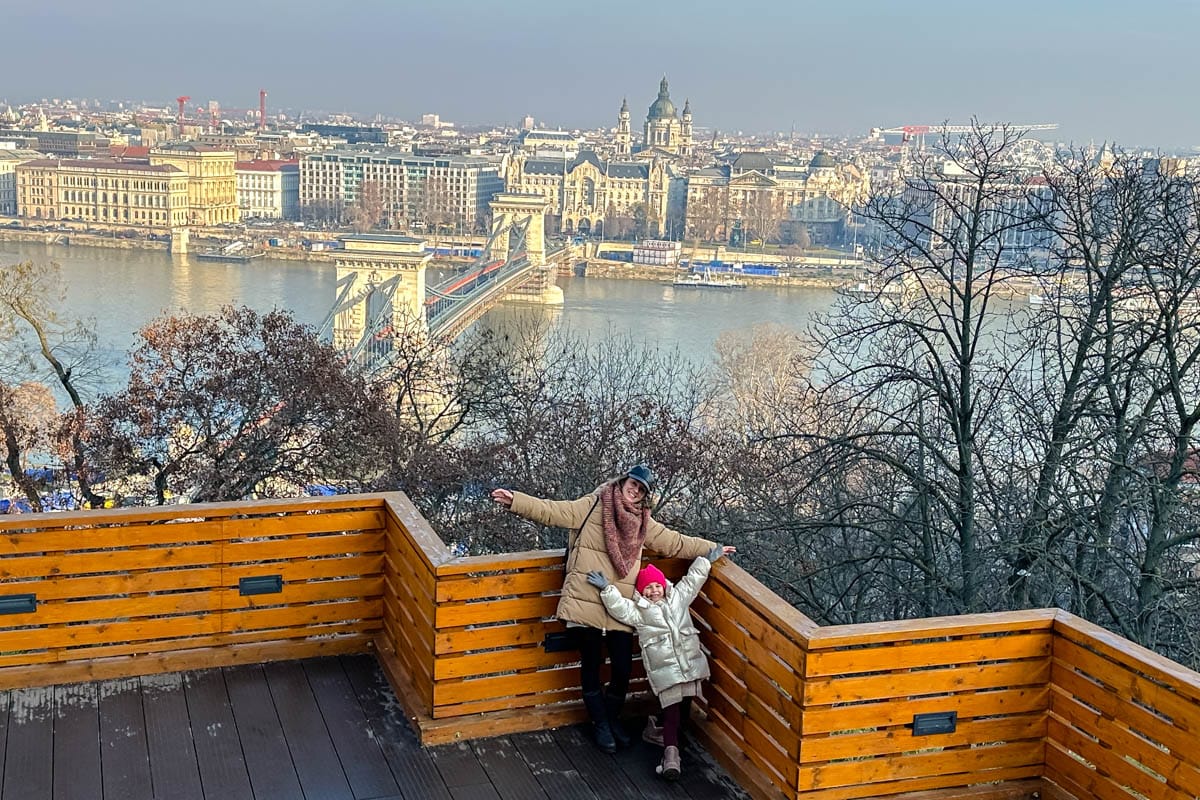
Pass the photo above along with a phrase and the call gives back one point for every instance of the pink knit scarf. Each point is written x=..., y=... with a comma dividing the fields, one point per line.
x=624, y=529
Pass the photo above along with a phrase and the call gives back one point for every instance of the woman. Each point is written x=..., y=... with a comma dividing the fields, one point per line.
x=613, y=525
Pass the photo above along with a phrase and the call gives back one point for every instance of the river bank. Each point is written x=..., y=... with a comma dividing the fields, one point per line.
x=812, y=277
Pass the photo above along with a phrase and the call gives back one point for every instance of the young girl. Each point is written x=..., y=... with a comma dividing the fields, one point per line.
x=671, y=652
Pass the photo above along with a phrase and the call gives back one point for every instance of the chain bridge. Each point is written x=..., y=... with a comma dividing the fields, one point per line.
x=381, y=291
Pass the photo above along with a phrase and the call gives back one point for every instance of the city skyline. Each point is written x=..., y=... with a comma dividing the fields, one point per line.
x=757, y=67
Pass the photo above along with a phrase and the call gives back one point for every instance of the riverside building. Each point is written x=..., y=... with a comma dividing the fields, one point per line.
x=9, y=159
x=588, y=195
x=268, y=189
x=399, y=191
x=112, y=192
x=212, y=182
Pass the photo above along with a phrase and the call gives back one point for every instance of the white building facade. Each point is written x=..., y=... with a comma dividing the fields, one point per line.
x=9, y=159
x=268, y=189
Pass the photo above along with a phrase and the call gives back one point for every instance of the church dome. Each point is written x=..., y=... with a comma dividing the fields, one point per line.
x=822, y=160
x=662, y=108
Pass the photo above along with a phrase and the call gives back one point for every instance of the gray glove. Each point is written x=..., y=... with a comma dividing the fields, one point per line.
x=596, y=578
x=715, y=554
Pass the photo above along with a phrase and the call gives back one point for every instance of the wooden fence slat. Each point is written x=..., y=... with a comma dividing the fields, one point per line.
x=1112, y=764
x=1062, y=767
x=187, y=532
x=907, y=630
x=964, y=762
x=1184, y=681
x=898, y=740
x=828, y=691
x=537, y=560
x=1129, y=684
x=928, y=654
x=195, y=602
x=465, y=640
x=1178, y=768
x=1073, y=686
x=55, y=521
x=1001, y=783
x=491, y=662
x=446, y=693
x=522, y=608
x=202, y=555
x=503, y=585
x=90, y=653
x=779, y=659
x=830, y=719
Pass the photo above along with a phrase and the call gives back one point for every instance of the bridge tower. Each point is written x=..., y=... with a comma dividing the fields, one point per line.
x=515, y=208
x=383, y=280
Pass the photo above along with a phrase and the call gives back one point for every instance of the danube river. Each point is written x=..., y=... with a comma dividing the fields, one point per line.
x=123, y=289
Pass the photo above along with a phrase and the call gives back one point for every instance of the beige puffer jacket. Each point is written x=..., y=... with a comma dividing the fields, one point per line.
x=670, y=644
x=580, y=602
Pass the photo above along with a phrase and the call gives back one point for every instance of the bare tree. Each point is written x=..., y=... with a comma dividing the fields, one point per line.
x=323, y=212
x=29, y=294
x=913, y=373
x=1114, y=405
x=758, y=375
x=569, y=412
x=618, y=223
x=764, y=215
x=28, y=420
x=438, y=209
x=366, y=213
x=238, y=404
x=706, y=214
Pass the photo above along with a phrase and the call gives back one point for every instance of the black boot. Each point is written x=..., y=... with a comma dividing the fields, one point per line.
x=594, y=702
x=613, y=704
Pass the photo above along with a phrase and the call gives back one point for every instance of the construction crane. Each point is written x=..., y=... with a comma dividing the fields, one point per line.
x=182, y=99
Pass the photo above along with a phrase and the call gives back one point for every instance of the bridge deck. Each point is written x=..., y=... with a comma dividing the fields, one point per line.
x=320, y=729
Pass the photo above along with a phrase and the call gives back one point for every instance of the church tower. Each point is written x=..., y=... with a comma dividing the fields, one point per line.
x=624, y=137
x=685, y=130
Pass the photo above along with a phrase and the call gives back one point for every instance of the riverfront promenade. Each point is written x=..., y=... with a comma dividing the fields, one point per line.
x=815, y=272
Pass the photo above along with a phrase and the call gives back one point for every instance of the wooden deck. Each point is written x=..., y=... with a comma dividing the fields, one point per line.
x=318, y=729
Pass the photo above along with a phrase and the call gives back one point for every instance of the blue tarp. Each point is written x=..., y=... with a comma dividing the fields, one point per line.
x=59, y=501
x=15, y=507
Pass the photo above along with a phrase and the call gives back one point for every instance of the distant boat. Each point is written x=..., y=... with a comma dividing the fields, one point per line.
x=705, y=280
x=872, y=289
x=234, y=251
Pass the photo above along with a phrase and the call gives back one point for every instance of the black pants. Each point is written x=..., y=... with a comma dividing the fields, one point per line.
x=591, y=643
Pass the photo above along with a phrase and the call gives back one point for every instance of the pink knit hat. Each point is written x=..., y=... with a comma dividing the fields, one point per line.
x=650, y=574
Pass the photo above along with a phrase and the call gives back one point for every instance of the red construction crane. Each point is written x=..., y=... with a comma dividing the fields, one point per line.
x=181, y=100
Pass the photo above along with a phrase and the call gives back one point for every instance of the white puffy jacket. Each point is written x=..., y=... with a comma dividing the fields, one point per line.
x=670, y=644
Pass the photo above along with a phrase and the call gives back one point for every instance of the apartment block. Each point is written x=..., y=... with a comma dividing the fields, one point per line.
x=398, y=191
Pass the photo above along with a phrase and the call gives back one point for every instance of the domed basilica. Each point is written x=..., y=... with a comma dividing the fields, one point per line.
x=663, y=133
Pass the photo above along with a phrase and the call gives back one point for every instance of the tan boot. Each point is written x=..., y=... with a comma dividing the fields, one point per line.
x=652, y=734
x=669, y=768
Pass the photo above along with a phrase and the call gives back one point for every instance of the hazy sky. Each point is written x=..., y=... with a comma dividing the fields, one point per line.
x=1103, y=70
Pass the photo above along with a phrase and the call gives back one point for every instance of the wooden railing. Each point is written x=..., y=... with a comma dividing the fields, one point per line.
x=1041, y=701
x=136, y=591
